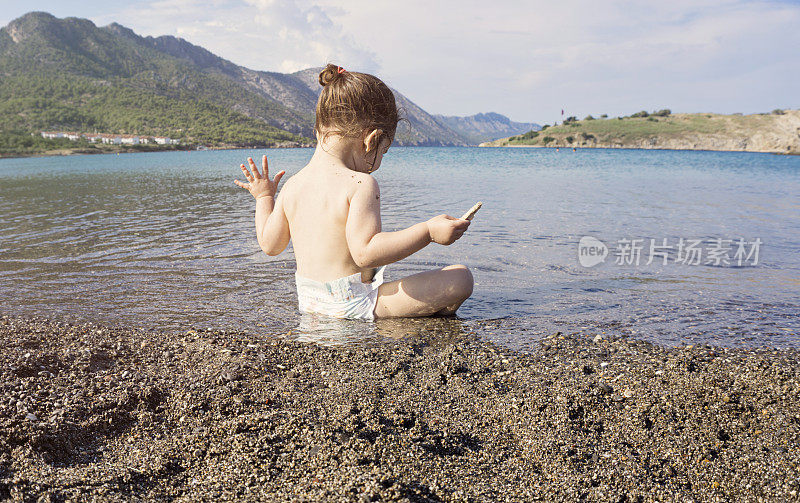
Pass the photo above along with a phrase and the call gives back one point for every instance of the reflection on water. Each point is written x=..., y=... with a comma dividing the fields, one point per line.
x=328, y=331
x=166, y=240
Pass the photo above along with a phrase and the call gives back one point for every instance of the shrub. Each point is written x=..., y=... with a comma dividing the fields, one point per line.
x=619, y=118
x=642, y=114
x=545, y=127
x=588, y=118
x=547, y=139
x=604, y=116
x=570, y=139
x=529, y=135
x=778, y=111
x=569, y=119
x=652, y=119
x=663, y=113
x=587, y=136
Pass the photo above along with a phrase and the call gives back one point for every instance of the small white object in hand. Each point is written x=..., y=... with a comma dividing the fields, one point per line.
x=471, y=213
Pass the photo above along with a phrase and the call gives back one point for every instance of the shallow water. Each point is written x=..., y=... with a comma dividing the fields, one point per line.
x=166, y=240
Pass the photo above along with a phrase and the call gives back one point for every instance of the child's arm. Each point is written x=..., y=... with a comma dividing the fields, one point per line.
x=272, y=228
x=372, y=248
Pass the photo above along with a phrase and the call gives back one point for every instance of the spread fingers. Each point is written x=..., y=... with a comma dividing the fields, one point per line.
x=247, y=173
x=253, y=167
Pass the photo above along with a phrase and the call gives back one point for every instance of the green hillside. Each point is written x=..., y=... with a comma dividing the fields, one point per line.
x=44, y=100
x=777, y=132
x=70, y=75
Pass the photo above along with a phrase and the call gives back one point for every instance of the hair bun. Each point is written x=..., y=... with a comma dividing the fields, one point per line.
x=329, y=74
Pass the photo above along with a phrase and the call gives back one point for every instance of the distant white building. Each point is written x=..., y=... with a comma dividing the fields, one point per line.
x=164, y=140
x=111, y=139
x=129, y=139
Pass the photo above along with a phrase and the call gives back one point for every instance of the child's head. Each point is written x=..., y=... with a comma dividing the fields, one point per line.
x=353, y=105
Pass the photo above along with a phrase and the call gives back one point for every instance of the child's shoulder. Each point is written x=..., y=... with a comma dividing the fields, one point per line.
x=310, y=180
x=363, y=179
x=351, y=181
x=364, y=183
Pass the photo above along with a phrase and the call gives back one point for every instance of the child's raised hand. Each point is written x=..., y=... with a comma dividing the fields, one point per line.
x=445, y=229
x=260, y=185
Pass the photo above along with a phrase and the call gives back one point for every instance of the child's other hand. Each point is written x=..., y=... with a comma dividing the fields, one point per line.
x=445, y=229
x=260, y=185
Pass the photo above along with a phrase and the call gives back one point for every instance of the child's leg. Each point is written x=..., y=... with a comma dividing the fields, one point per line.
x=425, y=294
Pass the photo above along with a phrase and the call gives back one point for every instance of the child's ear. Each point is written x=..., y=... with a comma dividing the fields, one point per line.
x=372, y=140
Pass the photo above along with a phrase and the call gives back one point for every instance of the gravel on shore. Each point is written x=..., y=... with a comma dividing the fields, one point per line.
x=89, y=412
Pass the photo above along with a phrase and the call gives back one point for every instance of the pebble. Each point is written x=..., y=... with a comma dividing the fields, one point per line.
x=230, y=375
x=535, y=433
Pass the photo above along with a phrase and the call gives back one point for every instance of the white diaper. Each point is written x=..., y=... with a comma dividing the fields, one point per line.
x=345, y=297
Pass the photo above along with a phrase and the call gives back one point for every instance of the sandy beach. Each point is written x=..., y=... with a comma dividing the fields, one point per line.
x=98, y=413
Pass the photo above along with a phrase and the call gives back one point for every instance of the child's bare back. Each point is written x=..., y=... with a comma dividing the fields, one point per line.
x=316, y=202
x=331, y=212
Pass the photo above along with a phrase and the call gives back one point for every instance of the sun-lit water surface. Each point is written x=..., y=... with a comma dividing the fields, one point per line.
x=166, y=240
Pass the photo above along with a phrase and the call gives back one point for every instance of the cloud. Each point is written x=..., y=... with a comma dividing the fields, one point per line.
x=529, y=59
x=283, y=35
x=524, y=58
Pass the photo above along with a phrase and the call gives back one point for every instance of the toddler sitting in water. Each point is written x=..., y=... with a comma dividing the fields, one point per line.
x=330, y=210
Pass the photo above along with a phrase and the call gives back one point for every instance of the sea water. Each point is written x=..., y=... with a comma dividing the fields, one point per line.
x=667, y=246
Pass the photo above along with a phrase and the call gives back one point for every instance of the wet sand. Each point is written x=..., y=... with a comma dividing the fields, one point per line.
x=97, y=413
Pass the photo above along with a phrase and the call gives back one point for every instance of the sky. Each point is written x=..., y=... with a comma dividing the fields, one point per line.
x=525, y=59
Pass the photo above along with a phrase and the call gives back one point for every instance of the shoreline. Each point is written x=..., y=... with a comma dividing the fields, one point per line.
x=91, y=411
x=71, y=153
x=67, y=152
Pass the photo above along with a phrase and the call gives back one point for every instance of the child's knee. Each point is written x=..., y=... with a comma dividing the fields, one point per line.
x=462, y=279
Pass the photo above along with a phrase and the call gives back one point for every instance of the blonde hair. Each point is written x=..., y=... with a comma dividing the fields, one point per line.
x=352, y=104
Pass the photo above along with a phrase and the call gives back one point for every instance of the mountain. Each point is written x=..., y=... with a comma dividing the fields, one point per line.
x=69, y=74
x=485, y=127
x=777, y=132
